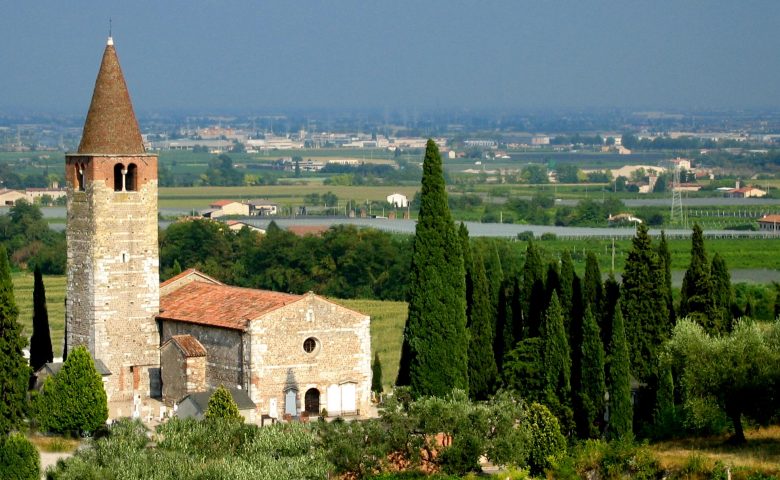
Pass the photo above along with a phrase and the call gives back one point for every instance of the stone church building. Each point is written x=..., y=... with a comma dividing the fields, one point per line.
x=290, y=353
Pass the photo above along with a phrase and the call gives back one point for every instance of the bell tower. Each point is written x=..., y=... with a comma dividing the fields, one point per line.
x=113, y=292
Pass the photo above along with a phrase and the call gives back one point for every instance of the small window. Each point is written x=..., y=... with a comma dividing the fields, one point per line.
x=310, y=345
x=119, y=177
x=79, y=177
x=131, y=178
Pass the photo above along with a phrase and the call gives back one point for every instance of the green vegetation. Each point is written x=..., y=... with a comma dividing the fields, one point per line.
x=19, y=460
x=619, y=381
x=222, y=406
x=434, y=356
x=73, y=400
x=40, y=341
x=55, y=301
x=14, y=372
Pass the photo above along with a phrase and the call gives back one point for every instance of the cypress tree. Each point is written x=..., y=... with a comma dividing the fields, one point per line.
x=696, y=298
x=566, y=278
x=777, y=300
x=40, y=342
x=665, y=257
x=14, y=372
x=176, y=268
x=723, y=296
x=644, y=305
x=434, y=358
x=664, y=410
x=376, y=375
x=518, y=320
x=619, y=382
x=553, y=285
x=493, y=269
x=608, y=306
x=503, y=338
x=482, y=364
x=74, y=398
x=556, y=354
x=592, y=290
x=593, y=383
x=468, y=265
x=532, y=290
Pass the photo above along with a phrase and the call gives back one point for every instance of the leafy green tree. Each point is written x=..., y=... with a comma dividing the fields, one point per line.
x=619, y=382
x=376, y=375
x=696, y=296
x=665, y=257
x=644, y=305
x=548, y=445
x=19, y=459
x=592, y=383
x=482, y=364
x=73, y=400
x=40, y=342
x=222, y=406
x=435, y=353
x=14, y=372
x=723, y=295
x=738, y=373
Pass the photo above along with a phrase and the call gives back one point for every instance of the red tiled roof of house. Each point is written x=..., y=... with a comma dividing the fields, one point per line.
x=111, y=126
x=189, y=345
x=770, y=218
x=303, y=230
x=221, y=203
x=220, y=305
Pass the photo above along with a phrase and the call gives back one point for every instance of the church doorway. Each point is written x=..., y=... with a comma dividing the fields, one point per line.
x=312, y=401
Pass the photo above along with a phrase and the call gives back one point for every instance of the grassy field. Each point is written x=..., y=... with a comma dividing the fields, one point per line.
x=387, y=326
x=55, y=303
x=761, y=453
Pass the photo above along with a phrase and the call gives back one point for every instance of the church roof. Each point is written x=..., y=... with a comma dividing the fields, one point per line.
x=111, y=126
x=219, y=305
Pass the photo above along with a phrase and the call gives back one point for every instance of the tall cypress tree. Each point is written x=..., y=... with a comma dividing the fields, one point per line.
x=503, y=338
x=556, y=354
x=14, y=372
x=609, y=302
x=533, y=290
x=665, y=257
x=552, y=284
x=434, y=358
x=566, y=278
x=592, y=290
x=619, y=383
x=723, y=295
x=40, y=342
x=644, y=305
x=777, y=300
x=482, y=364
x=376, y=375
x=468, y=265
x=696, y=298
x=593, y=382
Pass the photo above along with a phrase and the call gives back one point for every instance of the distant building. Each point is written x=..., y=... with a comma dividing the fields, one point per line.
x=769, y=223
x=221, y=208
x=34, y=194
x=261, y=207
x=398, y=200
x=235, y=226
x=11, y=197
x=745, y=192
x=195, y=404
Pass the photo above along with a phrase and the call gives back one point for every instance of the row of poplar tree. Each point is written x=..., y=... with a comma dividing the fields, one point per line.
x=586, y=348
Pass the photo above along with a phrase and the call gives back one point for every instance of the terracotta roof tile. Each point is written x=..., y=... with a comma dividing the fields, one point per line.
x=189, y=345
x=111, y=126
x=770, y=219
x=220, y=305
x=221, y=203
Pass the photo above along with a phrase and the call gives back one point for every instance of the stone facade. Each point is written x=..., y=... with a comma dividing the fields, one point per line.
x=183, y=368
x=113, y=268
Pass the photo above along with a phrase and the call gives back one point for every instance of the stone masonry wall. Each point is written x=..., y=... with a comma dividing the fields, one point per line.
x=225, y=358
x=174, y=374
x=279, y=362
x=113, y=270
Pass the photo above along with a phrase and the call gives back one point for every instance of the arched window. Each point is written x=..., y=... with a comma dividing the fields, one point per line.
x=79, y=177
x=131, y=179
x=119, y=177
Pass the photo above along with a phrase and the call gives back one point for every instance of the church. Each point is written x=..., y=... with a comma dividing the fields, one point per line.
x=290, y=354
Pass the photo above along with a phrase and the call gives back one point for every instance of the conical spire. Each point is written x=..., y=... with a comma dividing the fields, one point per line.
x=111, y=127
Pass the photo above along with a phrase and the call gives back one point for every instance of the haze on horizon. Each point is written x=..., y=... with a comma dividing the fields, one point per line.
x=258, y=56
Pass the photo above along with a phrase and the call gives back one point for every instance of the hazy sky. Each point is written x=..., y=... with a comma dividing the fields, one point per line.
x=263, y=55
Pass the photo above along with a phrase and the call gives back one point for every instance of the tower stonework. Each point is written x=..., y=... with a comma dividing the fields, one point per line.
x=113, y=261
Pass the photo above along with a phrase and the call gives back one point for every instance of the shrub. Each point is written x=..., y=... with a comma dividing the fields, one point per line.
x=73, y=400
x=222, y=405
x=19, y=460
x=624, y=458
x=548, y=445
